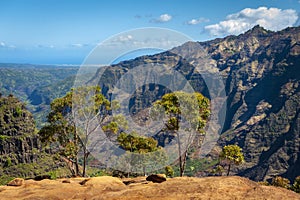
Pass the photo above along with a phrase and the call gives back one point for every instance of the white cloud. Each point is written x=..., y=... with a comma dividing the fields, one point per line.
x=162, y=18
x=270, y=18
x=197, y=21
x=2, y=44
x=165, y=18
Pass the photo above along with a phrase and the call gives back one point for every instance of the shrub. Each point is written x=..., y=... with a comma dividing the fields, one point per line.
x=169, y=171
x=280, y=182
x=296, y=185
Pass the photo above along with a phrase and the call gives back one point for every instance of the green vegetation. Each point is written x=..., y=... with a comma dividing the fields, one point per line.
x=232, y=154
x=179, y=107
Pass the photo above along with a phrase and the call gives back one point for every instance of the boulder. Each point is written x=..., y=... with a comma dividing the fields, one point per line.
x=42, y=177
x=16, y=182
x=157, y=178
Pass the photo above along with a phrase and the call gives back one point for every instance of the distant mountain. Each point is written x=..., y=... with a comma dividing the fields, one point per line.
x=261, y=73
x=37, y=85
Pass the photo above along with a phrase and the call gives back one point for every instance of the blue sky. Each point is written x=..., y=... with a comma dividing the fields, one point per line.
x=65, y=31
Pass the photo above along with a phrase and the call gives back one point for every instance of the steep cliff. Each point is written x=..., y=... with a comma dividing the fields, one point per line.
x=18, y=141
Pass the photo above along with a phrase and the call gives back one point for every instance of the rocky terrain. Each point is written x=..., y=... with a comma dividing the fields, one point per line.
x=174, y=188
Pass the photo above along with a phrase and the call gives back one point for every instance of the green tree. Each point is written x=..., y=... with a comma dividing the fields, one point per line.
x=71, y=121
x=140, y=148
x=135, y=143
x=181, y=108
x=232, y=154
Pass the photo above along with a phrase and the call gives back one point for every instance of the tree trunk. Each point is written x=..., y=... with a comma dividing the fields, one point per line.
x=228, y=169
x=85, y=157
x=182, y=158
x=181, y=167
x=76, y=156
x=76, y=167
x=184, y=161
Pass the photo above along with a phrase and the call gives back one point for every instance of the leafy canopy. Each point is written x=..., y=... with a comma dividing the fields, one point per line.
x=233, y=153
x=181, y=106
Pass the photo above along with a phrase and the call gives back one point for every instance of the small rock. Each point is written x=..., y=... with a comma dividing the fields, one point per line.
x=66, y=181
x=128, y=182
x=42, y=177
x=157, y=178
x=16, y=182
x=84, y=181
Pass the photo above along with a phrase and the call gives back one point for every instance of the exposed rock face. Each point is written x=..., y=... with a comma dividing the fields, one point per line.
x=18, y=142
x=261, y=71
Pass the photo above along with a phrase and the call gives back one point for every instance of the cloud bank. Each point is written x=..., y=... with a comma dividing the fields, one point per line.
x=270, y=18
